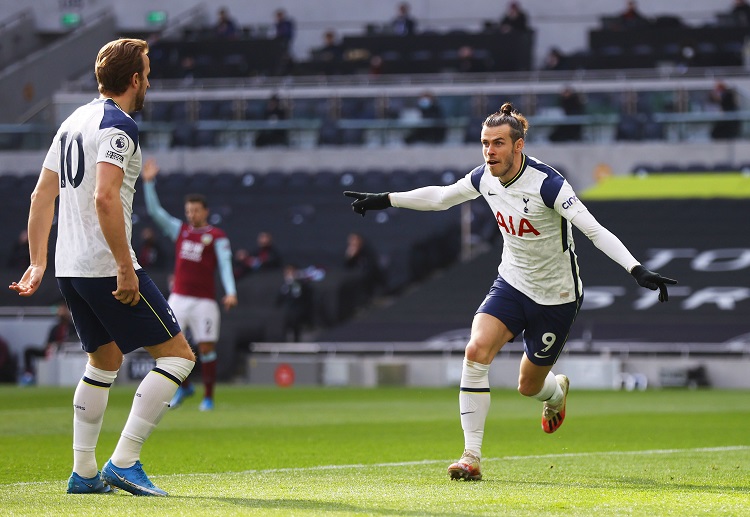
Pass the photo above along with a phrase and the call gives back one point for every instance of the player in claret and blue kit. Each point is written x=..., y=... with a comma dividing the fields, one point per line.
x=200, y=249
x=538, y=290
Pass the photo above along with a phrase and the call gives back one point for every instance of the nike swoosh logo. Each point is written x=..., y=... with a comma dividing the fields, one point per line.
x=490, y=193
x=466, y=413
x=536, y=354
x=134, y=485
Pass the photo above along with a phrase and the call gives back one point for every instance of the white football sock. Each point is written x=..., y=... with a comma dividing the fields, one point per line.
x=150, y=403
x=474, y=403
x=89, y=403
x=551, y=392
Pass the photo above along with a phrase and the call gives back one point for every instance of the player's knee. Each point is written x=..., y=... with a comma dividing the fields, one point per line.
x=477, y=352
x=527, y=387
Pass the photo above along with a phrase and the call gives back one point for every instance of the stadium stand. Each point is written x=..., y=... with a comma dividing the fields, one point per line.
x=642, y=89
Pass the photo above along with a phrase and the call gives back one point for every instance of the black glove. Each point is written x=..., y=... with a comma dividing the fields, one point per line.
x=653, y=281
x=367, y=201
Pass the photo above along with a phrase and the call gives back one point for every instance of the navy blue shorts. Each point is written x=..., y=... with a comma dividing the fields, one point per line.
x=545, y=327
x=100, y=319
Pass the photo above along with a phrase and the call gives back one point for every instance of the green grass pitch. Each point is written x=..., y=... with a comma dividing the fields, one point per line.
x=382, y=452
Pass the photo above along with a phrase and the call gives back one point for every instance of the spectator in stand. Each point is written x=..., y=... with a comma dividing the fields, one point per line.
x=150, y=253
x=430, y=110
x=201, y=250
x=468, y=61
x=376, y=65
x=555, y=60
x=741, y=13
x=329, y=56
x=403, y=24
x=572, y=104
x=225, y=27
x=274, y=111
x=19, y=253
x=726, y=99
x=295, y=295
x=283, y=28
x=514, y=20
x=631, y=17
x=264, y=257
x=362, y=259
x=63, y=331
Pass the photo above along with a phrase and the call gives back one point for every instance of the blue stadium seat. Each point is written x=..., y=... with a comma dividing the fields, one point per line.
x=299, y=179
x=226, y=181
x=200, y=182
x=326, y=180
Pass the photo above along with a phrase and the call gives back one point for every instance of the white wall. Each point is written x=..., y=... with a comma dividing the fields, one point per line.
x=566, y=25
x=585, y=372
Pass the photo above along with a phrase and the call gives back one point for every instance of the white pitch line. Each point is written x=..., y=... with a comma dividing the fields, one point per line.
x=650, y=452
x=502, y=458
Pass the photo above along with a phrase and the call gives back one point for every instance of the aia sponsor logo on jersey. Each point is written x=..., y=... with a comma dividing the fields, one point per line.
x=520, y=228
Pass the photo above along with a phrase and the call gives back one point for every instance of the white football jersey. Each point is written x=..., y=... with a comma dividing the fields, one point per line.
x=533, y=212
x=96, y=132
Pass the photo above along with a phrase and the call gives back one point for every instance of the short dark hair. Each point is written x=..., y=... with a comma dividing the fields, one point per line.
x=197, y=198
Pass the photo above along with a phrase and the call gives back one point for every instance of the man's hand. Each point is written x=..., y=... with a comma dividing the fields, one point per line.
x=29, y=282
x=653, y=281
x=149, y=170
x=367, y=201
x=229, y=301
x=127, y=287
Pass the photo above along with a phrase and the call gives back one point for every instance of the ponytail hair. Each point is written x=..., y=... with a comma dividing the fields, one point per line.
x=507, y=114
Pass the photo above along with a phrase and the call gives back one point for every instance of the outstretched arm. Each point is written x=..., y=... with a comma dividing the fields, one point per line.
x=424, y=198
x=616, y=250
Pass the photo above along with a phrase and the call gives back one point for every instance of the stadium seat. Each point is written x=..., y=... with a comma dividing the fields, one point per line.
x=723, y=167
x=325, y=180
x=226, y=181
x=299, y=179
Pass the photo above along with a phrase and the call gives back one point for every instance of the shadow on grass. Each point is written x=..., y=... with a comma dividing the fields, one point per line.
x=319, y=507
x=622, y=483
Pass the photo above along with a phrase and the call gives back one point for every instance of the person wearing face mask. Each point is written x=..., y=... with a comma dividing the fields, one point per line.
x=433, y=132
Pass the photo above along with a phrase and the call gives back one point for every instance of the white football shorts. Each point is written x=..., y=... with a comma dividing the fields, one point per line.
x=200, y=315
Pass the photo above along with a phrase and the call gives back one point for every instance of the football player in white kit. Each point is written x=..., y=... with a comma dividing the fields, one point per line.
x=92, y=166
x=538, y=290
